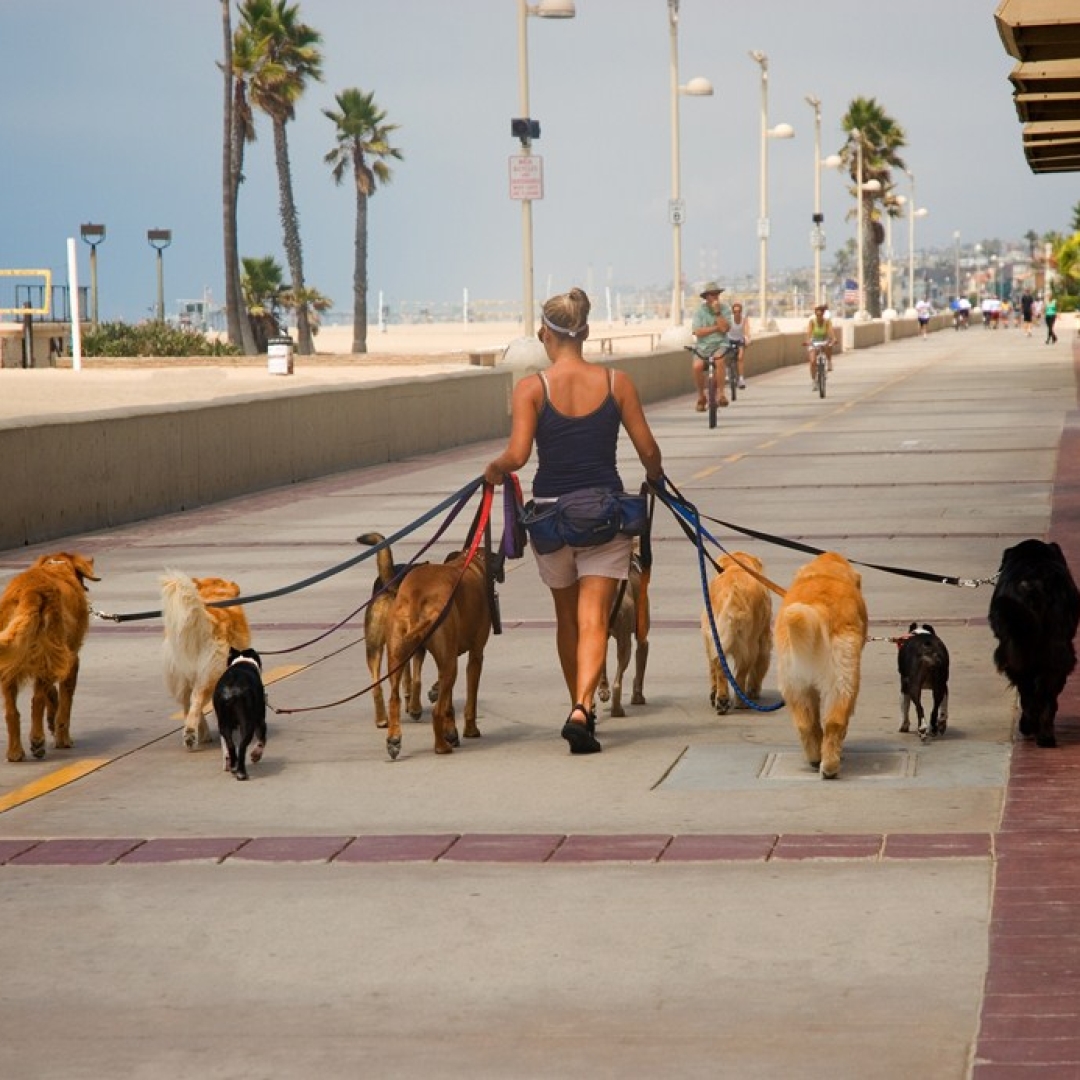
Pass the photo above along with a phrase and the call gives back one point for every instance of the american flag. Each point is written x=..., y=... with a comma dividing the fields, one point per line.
x=851, y=292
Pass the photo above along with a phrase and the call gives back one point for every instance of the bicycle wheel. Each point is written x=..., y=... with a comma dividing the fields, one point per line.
x=821, y=371
x=732, y=365
x=710, y=389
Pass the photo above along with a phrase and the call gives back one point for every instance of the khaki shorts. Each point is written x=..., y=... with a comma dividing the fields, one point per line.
x=565, y=567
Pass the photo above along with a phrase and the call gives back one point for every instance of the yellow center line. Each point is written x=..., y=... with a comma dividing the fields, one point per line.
x=57, y=779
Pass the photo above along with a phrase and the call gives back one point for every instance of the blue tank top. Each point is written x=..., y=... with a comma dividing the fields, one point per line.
x=575, y=452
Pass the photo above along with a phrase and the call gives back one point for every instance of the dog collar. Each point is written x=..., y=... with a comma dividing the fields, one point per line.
x=246, y=660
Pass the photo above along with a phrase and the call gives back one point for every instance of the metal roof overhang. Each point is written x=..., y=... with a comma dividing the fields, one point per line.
x=1044, y=35
x=1039, y=29
x=1052, y=147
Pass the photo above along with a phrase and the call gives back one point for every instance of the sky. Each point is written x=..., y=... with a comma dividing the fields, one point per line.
x=112, y=114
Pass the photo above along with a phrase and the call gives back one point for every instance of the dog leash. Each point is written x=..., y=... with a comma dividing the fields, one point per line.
x=478, y=528
x=688, y=511
x=809, y=549
x=460, y=498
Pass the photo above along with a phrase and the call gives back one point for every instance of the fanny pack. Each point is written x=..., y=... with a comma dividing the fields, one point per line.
x=585, y=518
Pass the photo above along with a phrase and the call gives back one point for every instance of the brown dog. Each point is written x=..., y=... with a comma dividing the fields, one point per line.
x=742, y=610
x=376, y=626
x=197, y=642
x=629, y=622
x=44, y=614
x=820, y=633
x=442, y=608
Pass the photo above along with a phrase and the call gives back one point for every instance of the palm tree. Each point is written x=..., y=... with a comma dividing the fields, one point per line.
x=264, y=294
x=363, y=144
x=238, y=129
x=285, y=56
x=880, y=136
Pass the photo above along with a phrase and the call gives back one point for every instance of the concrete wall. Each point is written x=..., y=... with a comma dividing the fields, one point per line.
x=97, y=472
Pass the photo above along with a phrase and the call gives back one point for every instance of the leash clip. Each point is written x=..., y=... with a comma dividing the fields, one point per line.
x=103, y=615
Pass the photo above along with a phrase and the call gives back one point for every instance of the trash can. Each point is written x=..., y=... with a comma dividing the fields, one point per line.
x=279, y=353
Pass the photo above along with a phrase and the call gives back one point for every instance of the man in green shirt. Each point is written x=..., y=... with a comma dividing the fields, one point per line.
x=710, y=326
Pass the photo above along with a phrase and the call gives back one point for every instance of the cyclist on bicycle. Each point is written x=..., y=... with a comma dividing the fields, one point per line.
x=710, y=326
x=739, y=334
x=819, y=328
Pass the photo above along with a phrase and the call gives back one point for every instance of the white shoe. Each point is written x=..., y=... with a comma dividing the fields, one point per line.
x=742, y=384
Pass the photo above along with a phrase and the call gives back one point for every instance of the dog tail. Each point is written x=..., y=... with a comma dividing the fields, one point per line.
x=27, y=624
x=384, y=559
x=805, y=632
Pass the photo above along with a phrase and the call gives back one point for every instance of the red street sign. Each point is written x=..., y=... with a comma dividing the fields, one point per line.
x=526, y=176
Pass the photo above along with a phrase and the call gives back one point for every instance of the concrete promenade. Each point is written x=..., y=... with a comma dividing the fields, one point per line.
x=692, y=902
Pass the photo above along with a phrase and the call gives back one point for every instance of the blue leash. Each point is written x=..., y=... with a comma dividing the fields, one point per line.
x=688, y=517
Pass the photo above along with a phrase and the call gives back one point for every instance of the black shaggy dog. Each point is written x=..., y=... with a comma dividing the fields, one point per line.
x=240, y=707
x=923, y=663
x=1034, y=614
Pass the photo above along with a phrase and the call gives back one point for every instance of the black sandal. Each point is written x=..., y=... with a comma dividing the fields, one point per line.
x=580, y=736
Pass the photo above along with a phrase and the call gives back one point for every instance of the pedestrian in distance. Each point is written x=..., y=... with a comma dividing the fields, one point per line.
x=710, y=327
x=573, y=412
x=1050, y=316
x=1027, y=310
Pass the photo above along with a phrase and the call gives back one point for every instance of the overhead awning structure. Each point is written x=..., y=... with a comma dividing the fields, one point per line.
x=1044, y=35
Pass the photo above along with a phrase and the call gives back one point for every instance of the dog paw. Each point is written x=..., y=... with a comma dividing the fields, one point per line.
x=240, y=775
x=452, y=739
x=63, y=742
x=415, y=715
x=37, y=748
x=905, y=727
x=723, y=706
x=618, y=710
x=191, y=739
x=1047, y=742
x=603, y=693
x=638, y=698
x=393, y=747
x=384, y=722
x=18, y=754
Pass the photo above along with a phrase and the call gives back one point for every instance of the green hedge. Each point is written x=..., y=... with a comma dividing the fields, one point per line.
x=151, y=339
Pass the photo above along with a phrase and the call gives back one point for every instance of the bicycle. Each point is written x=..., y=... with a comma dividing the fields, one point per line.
x=820, y=350
x=730, y=355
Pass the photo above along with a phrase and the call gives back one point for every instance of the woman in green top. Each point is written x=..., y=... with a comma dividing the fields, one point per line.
x=1050, y=315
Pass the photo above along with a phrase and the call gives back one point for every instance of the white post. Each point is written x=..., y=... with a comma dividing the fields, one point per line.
x=676, y=225
x=73, y=304
x=763, y=194
x=859, y=217
x=526, y=149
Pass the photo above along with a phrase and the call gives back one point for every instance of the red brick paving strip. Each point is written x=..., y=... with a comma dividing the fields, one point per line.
x=1030, y=1024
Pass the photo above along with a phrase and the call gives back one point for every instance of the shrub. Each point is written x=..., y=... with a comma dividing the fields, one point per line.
x=151, y=339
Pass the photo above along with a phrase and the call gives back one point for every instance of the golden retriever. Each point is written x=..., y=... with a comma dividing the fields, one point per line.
x=443, y=609
x=44, y=615
x=629, y=622
x=820, y=633
x=376, y=626
x=742, y=609
x=197, y=643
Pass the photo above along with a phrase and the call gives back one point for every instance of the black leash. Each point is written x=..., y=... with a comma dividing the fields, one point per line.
x=460, y=497
x=681, y=502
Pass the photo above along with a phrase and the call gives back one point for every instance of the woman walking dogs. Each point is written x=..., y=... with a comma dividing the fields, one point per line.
x=573, y=412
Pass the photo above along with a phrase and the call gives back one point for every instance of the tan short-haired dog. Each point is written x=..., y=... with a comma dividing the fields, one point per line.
x=197, y=642
x=820, y=632
x=742, y=609
x=444, y=610
x=44, y=616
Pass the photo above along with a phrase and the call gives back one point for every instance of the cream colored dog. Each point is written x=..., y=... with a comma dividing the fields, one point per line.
x=820, y=632
x=197, y=643
x=742, y=610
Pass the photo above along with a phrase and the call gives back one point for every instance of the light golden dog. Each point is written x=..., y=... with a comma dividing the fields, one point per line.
x=197, y=643
x=444, y=610
x=820, y=633
x=629, y=623
x=742, y=610
x=44, y=615
x=376, y=627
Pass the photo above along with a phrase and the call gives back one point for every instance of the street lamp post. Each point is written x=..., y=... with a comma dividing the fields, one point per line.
x=914, y=211
x=696, y=87
x=817, y=232
x=781, y=131
x=93, y=235
x=956, y=247
x=159, y=240
x=545, y=9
